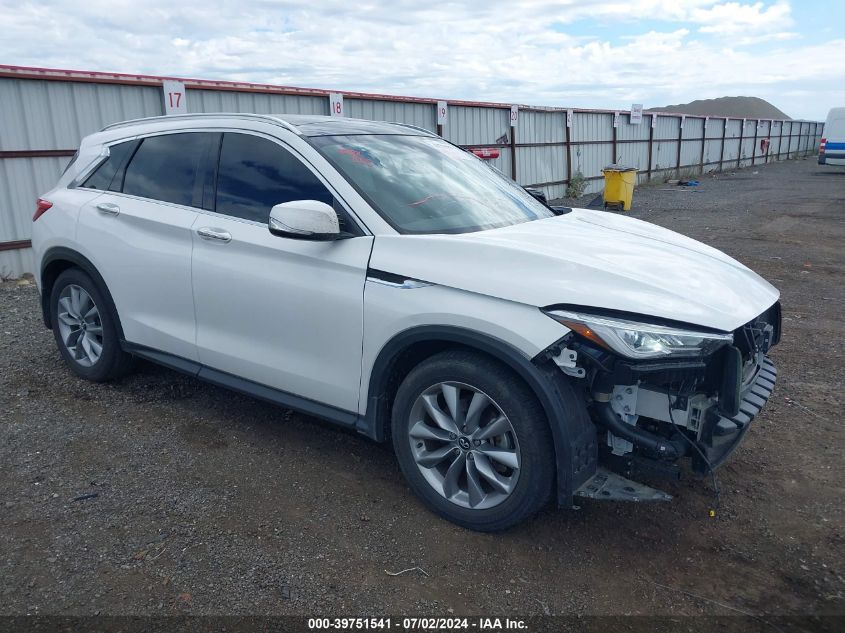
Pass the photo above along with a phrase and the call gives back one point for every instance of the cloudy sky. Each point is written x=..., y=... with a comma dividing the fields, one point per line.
x=581, y=53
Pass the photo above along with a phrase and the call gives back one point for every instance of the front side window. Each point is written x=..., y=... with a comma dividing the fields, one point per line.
x=255, y=174
x=168, y=168
x=422, y=184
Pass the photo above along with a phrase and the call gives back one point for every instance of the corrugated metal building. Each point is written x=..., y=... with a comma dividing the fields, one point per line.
x=44, y=113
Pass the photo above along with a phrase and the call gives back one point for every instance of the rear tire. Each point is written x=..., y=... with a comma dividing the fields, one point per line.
x=473, y=441
x=85, y=327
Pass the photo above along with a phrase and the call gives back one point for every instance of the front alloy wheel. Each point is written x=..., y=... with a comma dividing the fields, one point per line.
x=464, y=445
x=473, y=441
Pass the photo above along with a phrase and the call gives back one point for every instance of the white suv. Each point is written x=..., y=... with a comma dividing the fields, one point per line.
x=380, y=277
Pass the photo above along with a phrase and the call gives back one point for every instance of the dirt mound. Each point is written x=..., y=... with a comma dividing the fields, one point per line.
x=736, y=107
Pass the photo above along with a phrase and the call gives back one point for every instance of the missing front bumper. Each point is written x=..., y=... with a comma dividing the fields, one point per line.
x=721, y=434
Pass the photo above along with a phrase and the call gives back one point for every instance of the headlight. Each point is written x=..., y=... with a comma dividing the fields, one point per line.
x=640, y=340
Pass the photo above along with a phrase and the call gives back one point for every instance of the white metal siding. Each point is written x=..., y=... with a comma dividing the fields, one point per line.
x=422, y=115
x=54, y=115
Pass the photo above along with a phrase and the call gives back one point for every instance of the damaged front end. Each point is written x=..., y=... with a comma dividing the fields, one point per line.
x=662, y=391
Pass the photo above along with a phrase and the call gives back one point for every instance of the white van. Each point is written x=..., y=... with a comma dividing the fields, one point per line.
x=832, y=146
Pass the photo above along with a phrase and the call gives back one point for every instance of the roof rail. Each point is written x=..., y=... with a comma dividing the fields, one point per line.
x=204, y=115
x=415, y=127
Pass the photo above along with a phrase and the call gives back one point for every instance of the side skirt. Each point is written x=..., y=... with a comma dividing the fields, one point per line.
x=284, y=399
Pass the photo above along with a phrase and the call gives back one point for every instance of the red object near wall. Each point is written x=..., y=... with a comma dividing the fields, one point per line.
x=487, y=153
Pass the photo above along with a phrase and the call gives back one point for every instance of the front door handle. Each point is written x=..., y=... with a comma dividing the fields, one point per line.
x=108, y=208
x=216, y=235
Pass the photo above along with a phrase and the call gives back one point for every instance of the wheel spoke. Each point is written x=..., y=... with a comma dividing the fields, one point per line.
x=86, y=347
x=440, y=419
x=452, y=396
x=92, y=312
x=74, y=300
x=72, y=338
x=503, y=456
x=476, y=407
x=476, y=491
x=486, y=470
x=67, y=304
x=497, y=427
x=94, y=347
x=423, y=431
x=430, y=459
x=77, y=351
x=84, y=302
x=453, y=475
x=68, y=320
x=95, y=330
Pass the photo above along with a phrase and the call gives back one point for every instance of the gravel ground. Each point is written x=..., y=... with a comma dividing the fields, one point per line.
x=208, y=502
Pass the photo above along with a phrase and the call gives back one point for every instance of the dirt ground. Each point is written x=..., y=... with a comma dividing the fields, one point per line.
x=208, y=502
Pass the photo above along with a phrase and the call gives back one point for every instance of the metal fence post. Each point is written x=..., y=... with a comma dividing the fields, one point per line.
x=739, y=149
x=722, y=148
x=789, y=139
x=569, y=151
x=513, y=152
x=650, y=145
x=680, y=143
x=769, y=146
x=754, y=148
x=807, y=141
x=703, y=143
x=615, y=137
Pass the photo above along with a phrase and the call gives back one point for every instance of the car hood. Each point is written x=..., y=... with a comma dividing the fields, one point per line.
x=587, y=258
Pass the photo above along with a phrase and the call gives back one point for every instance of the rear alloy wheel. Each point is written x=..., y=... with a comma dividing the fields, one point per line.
x=80, y=325
x=473, y=441
x=86, y=328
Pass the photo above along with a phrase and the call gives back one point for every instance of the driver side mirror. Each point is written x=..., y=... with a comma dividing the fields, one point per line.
x=304, y=220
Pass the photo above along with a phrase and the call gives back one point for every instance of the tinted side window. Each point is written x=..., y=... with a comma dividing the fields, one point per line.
x=102, y=176
x=166, y=168
x=255, y=174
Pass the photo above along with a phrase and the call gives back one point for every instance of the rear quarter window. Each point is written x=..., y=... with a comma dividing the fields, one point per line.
x=103, y=176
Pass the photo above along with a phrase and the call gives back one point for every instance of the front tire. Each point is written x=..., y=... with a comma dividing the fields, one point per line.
x=85, y=328
x=473, y=441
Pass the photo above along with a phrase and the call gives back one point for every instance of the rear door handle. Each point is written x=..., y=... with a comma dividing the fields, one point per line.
x=216, y=235
x=108, y=208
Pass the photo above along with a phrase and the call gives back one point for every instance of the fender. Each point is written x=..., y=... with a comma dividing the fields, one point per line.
x=573, y=432
x=61, y=253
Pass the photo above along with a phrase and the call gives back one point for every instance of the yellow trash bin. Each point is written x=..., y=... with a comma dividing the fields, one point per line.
x=619, y=185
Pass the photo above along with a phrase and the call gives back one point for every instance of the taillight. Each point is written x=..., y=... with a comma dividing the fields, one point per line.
x=821, y=146
x=40, y=208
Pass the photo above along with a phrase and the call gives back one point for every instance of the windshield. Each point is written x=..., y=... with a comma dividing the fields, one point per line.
x=422, y=184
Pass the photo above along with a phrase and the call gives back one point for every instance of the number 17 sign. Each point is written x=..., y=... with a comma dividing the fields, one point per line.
x=174, y=97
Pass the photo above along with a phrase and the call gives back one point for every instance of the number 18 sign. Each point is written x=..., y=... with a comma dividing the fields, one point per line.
x=336, y=104
x=174, y=97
